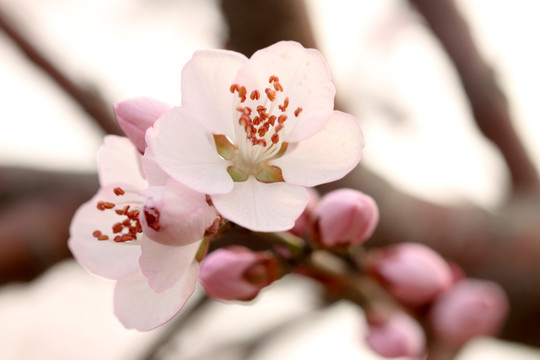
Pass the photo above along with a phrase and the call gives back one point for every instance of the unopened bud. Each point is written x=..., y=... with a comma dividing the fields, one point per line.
x=346, y=217
x=395, y=335
x=469, y=309
x=136, y=115
x=413, y=273
x=237, y=273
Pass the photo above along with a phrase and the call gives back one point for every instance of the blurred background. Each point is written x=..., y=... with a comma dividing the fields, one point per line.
x=392, y=70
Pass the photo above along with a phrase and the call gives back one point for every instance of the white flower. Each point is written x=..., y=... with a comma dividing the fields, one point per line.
x=252, y=133
x=144, y=237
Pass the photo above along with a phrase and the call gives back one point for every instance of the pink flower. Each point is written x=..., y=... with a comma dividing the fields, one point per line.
x=137, y=235
x=395, y=335
x=470, y=308
x=137, y=115
x=346, y=217
x=252, y=133
x=236, y=273
x=413, y=273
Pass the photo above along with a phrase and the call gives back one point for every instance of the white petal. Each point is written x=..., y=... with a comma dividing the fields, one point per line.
x=305, y=78
x=262, y=207
x=184, y=215
x=105, y=258
x=206, y=82
x=164, y=265
x=119, y=163
x=139, y=307
x=187, y=152
x=154, y=174
x=327, y=156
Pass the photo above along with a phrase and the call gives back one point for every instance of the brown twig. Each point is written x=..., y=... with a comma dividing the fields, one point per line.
x=488, y=102
x=87, y=97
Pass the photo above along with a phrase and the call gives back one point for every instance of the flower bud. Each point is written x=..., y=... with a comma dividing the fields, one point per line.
x=413, y=273
x=136, y=115
x=303, y=224
x=395, y=335
x=345, y=217
x=236, y=273
x=470, y=308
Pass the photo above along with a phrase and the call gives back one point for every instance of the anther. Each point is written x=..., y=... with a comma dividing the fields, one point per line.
x=255, y=95
x=278, y=86
x=283, y=107
x=117, y=228
x=271, y=94
x=234, y=87
x=102, y=205
x=118, y=191
x=272, y=120
x=273, y=78
x=275, y=139
x=281, y=119
x=297, y=111
x=242, y=92
x=244, y=110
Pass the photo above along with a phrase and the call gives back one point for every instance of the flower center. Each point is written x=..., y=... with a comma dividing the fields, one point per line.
x=261, y=132
x=129, y=225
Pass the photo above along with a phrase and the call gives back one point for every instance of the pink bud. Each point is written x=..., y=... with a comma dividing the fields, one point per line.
x=470, y=308
x=136, y=115
x=303, y=224
x=236, y=273
x=345, y=217
x=395, y=335
x=413, y=273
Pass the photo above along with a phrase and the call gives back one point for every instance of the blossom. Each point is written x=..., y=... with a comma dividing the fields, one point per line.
x=413, y=273
x=145, y=237
x=253, y=133
x=345, y=217
x=395, y=335
x=469, y=309
x=237, y=273
x=138, y=114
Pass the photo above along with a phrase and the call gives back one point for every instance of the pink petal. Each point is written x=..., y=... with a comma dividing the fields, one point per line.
x=136, y=115
x=305, y=78
x=184, y=215
x=119, y=163
x=327, y=156
x=155, y=175
x=105, y=258
x=139, y=307
x=206, y=82
x=262, y=207
x=164, y=265
x=187, y=152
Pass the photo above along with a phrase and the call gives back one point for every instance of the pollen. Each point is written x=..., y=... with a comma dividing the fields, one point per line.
x=128, y=226
x=263, y=118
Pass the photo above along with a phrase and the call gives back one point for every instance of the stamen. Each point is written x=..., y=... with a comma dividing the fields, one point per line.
x=102, y=205
x=118, y=191
x=234, y=87
x=255, y=95
x=297, y=111
x=283, y=107
x=242, y=92
x=271, y=94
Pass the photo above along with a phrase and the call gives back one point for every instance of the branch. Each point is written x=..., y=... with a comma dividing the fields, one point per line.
x=487, y=101
x=87, y=97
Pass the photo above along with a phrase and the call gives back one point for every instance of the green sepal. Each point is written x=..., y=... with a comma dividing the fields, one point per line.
x=270, y=174
x=224, y=147
x=236, y=174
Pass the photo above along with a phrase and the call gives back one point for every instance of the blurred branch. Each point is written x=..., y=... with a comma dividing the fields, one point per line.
x=488, y=102
x=35, y=213
x=87, y=97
